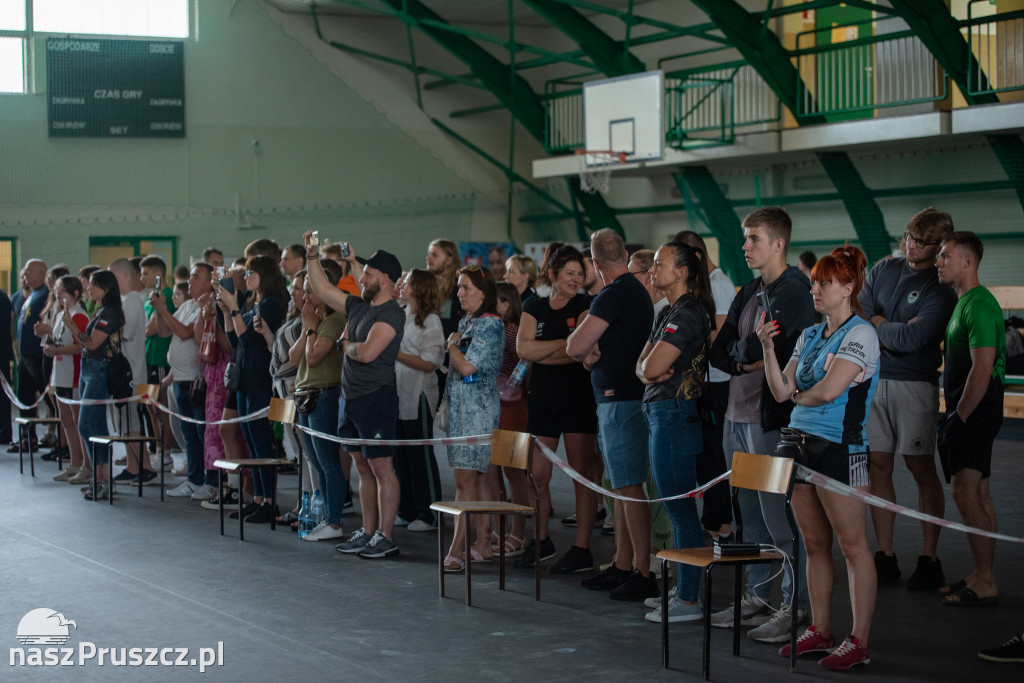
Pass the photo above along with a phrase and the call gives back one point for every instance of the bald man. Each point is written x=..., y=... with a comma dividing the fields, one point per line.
x=31, y=378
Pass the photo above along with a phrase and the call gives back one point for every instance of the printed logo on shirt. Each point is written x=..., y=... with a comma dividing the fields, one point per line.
x=540, y=329
x=102, y=323
x=570, y=323
x=671, y=328
x=912, y=297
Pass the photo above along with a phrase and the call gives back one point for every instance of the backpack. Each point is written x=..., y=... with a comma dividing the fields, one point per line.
x=119, y=371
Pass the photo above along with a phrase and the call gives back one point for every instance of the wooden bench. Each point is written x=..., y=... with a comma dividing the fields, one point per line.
x=26, y=430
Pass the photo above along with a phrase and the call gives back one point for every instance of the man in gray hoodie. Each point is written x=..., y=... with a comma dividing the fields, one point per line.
x=753, y=416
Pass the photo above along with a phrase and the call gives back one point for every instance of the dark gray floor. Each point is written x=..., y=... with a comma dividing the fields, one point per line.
x=151, y=574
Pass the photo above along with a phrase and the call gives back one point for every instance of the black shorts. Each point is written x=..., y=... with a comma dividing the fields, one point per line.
x=846, y=463
x=971, y=445
x=65, y=392
x=552, y=414
x=372, y=416
x=155, y=373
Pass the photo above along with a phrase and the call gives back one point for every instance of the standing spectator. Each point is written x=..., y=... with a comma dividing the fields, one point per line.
x=806, y=262
x=561, y=402
x=752, y=416
x=317, y=392
x=31, y=380
x=521, y=271
x=608, y=341
x=213, y=257
x=543, y=284
x=185, y=368
x=831, y=376
x=181, y=275
x=214, y=362
x=443, y=263
x=421, y=353
x=66, y=355
x=592, y=283
x=84, y=273
x=99, y=342
x=43, y=329
x=473, y=405
x=6, y=358
x=293, y=259
x=909, y=309
x=369, y=400
x=496, y=257
x=640, y=264
x=251, y=321
x=972, y=384
x=672, y=366
x=157, y=343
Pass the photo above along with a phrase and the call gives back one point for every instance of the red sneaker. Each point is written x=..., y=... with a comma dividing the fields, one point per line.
x=846, y=656
x=810, y=641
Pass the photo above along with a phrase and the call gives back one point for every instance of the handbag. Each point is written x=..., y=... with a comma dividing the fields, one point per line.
x=209, y=353
x=231, y=376
x=306, y=400
x=119, y=371
x=197, y=392
x=444, y=416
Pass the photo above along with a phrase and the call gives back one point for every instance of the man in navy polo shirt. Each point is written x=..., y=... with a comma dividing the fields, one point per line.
x=31, y=379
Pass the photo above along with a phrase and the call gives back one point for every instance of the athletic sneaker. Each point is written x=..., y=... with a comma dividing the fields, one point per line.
x=677, y=611
x=636, y=587
x=1010, y=651
x=927, y=576
x=525, y=561
x=777, y=629
x=66, y=474
x=183, y=490
x=608, y=580
x=355, y=543
x=124, y=477
x=846, y=656
x=102, y=493
x=323, y=532
x=809, y=642
x=205, y=492
x=887, y=569
x=149, y=478
x=181, y=471
x=230, y=500
x=577, y=559
x=753, y=612
x=122, y=461
x=84, y=476
x=655, y=603
x=378, y=546
x=420, y=525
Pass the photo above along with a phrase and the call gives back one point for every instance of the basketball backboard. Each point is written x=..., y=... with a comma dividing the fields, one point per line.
x=624, y=114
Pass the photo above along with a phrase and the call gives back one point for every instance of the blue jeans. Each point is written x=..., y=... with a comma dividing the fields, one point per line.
x=92, y=420
x=193, y=433
x=675, y=442
x=323, y=454
x=258, y=435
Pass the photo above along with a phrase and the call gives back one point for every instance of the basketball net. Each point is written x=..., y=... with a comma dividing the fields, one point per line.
x=596, y=169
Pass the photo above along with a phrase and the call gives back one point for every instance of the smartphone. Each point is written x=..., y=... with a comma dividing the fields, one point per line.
x=228, y=284
x=158, y=279
x=763, y=305
x=256, y=311
x=314, y=239
x=345, y=250
x=220, y=272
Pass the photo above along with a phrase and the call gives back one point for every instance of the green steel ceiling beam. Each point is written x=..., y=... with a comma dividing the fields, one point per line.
x=608, y=55
x=860, y=203
x=938, y=30
x=721, y=218
x=1009, y=149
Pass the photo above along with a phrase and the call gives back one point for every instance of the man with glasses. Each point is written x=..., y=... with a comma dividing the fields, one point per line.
x=903, y=299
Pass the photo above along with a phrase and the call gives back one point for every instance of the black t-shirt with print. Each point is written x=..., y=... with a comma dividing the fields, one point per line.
x=559, y=380
x=108, y=320
x=686, y=326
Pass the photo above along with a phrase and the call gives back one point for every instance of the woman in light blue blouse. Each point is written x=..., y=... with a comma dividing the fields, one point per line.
x=473, y=405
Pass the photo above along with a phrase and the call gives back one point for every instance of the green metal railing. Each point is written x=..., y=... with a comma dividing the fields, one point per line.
x=890, y=67
x=997, y=43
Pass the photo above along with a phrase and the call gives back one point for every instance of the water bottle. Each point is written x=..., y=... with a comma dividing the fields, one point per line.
x=306, y=522
x=317, y=507
x=515, y=380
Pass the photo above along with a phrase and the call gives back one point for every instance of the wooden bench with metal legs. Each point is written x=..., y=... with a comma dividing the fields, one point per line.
x=508, y=449
x=757, y=473
x=281, y=410
x=149, y=394
x=26, y=430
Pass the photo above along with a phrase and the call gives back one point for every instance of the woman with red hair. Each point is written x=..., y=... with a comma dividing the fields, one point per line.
x=831, y=378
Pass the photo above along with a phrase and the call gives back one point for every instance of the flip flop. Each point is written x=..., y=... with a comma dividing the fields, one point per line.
x=951, y=588
x=453, y=565
x=966, y=597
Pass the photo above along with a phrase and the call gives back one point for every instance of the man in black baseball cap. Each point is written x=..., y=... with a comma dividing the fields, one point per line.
x=368, y=408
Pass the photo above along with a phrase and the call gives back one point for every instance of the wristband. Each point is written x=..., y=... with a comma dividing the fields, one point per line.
x=310, y=333
x=235, y=312
x=312, y=257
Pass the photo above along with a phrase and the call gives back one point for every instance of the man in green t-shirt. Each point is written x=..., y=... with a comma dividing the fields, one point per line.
x=972, y=382
x=154, y=271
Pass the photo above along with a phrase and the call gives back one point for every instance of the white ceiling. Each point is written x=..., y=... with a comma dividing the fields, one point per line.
x=493, y=12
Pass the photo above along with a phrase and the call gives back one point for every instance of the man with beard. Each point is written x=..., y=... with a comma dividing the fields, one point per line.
x=369, y=398
x=903, y=299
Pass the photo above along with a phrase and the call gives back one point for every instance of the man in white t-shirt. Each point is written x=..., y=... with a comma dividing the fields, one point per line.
x=717, y=513
x=133, y=346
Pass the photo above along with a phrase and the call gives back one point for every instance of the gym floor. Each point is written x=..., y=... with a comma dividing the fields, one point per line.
x=148, y=574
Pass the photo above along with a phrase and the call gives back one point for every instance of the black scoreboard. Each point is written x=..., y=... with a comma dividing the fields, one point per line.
x=115, y=88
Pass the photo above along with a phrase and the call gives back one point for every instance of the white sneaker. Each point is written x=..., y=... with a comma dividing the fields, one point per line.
x=677, y=611
x=753, y=612
x=183, y=490
x=205, y=492
x=154, y=462
x=777, y=629
x=181, y=471
x=420, y=525
x=655, y=603
x=401, y=521
x=84, y=476
x=66, y=474
x=323, y=532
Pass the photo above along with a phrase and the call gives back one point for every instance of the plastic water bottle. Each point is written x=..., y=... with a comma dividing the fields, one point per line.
x=515, y=380
x=317, y=507
x=306, y=522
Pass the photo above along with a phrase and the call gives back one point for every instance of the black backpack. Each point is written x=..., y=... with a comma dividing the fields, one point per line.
x=119, y=372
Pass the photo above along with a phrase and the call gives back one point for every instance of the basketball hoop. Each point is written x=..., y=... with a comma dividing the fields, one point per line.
x=596, y=168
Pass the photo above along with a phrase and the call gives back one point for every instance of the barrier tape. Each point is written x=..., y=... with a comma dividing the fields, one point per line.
x=14, y=399
x=829, y=484
x=479, y=440
x=262, y=412
x=100, y=401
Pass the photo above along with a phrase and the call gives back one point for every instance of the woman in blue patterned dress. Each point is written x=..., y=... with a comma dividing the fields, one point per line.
x=473, y=404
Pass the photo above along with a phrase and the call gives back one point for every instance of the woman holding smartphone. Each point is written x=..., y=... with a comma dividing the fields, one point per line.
x=67, y=358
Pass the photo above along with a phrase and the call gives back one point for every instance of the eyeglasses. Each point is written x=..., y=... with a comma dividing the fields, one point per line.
x=918, y=241
x=639, y=272
x=249, y=273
